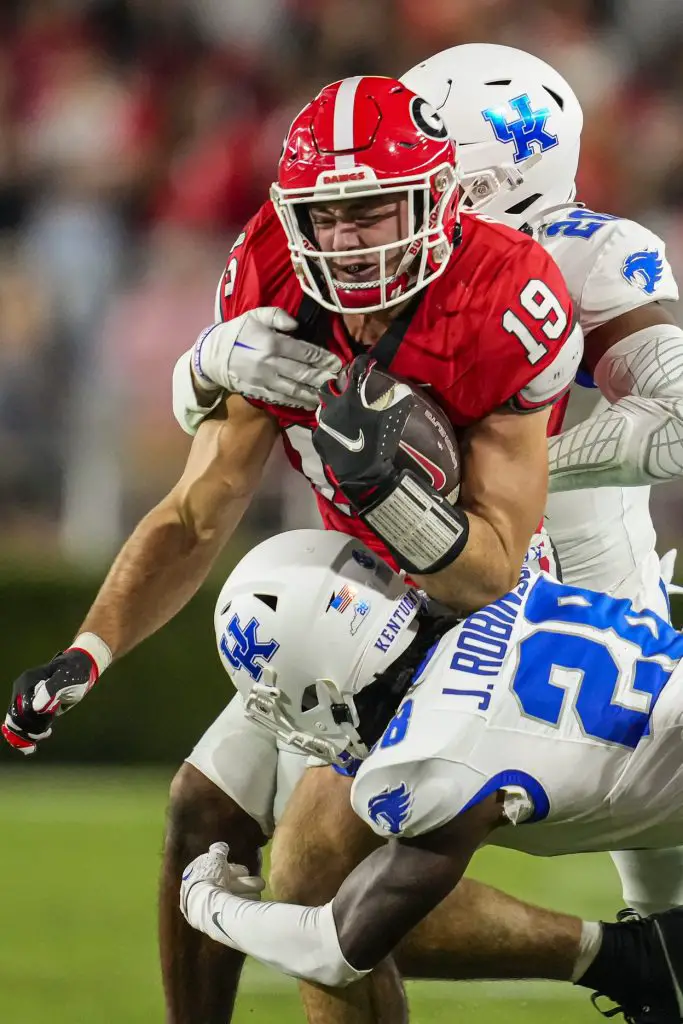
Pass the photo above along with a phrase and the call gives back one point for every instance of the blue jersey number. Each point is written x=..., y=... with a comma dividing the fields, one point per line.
x=612, y=704
x=579, y=224
x=398, y=726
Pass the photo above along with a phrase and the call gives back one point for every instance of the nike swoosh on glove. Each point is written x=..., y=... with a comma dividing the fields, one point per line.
x=215, y=868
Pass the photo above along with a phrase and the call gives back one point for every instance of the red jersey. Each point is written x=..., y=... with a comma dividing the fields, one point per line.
x=495, y=329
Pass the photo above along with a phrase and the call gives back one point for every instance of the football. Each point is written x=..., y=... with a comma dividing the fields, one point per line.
x=428, y=444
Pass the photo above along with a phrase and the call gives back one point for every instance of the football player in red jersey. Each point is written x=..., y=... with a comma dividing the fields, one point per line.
x=361, y=249
x=365, y=208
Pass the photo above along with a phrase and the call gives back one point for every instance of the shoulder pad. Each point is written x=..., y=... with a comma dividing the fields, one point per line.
x=611, y=265
x=553, y=381
x=419, y=775
x=530, y=320
x=412, y=797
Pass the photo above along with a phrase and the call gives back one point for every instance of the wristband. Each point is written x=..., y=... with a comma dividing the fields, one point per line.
x=204, y=382
x=423, y=531
x=95, y=648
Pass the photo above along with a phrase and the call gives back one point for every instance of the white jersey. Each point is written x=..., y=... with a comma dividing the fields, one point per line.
x=604, y=536
x=568, y=700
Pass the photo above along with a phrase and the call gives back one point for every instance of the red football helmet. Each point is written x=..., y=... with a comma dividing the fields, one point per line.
x=361, y=138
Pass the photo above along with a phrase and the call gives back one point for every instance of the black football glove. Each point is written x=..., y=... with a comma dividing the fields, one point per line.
x=40, y=694
x=357, y=439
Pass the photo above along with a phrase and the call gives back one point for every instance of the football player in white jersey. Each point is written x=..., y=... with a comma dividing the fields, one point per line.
x=519, y=131
x=548, y=722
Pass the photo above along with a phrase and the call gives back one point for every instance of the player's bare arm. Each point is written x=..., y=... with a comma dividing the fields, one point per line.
x=171, y=551
x=159, y=568
x=399, y=884
x=503, y=492
x=636, y=360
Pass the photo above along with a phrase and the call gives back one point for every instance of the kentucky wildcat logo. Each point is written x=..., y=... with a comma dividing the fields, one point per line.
x=241, y=646
x=391, y=808
x=527, y=130
x=643, y=269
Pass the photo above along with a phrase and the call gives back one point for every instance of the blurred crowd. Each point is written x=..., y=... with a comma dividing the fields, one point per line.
x=137, y=137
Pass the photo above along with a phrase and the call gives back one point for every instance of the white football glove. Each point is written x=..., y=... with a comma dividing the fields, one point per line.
x=215, y=868
x=255, y=355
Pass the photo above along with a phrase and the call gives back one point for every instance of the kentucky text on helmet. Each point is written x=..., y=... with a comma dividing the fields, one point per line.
x=405, y=607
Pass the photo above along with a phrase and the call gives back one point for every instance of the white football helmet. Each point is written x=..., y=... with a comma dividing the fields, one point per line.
x=303, y=623
x=517, y=124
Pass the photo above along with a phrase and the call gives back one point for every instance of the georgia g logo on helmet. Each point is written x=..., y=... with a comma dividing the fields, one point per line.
x=427, y=119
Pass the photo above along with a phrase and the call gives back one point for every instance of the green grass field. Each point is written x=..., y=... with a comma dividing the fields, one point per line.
x=79, y=857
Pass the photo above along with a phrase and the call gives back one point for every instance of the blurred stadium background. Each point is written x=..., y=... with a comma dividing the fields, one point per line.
x=136, y=137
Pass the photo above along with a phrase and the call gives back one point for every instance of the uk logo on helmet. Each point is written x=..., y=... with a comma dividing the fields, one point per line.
x=527, y=130
x=391, y=808
x=643, y=269
x=242, y=647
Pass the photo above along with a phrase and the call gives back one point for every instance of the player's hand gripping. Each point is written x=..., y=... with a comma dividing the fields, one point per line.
x=40, y=694
x=358, y=442
x=256, y=355
x=215, y=868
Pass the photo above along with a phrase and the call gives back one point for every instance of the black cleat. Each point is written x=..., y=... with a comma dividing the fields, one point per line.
x=640, y=967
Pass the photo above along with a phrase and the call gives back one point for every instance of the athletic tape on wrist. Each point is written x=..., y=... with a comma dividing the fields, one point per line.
x=95, y=647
